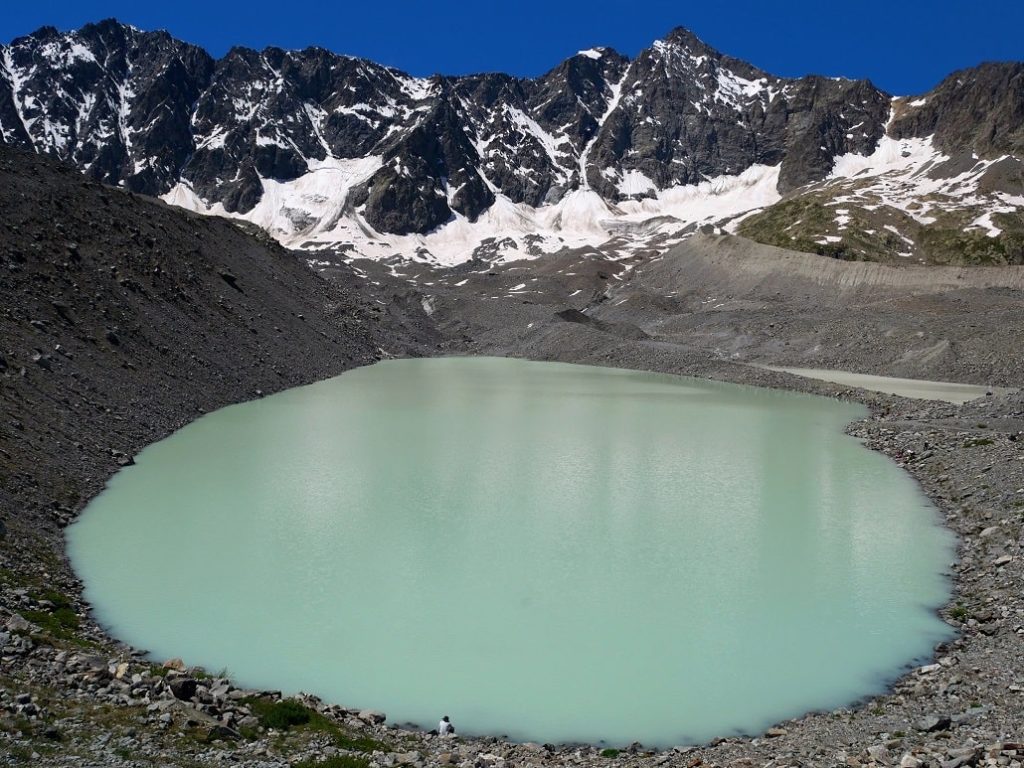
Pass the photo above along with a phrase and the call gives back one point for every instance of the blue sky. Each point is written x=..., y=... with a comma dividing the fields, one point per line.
x=903, y=46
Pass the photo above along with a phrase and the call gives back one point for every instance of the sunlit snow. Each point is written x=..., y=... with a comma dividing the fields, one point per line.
x=310, y=212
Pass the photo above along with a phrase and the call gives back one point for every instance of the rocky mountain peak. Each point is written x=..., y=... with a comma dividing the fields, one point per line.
x=682, y=38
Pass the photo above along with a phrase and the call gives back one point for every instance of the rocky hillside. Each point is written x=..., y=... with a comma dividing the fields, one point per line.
x=123, y=318
x=339, y=154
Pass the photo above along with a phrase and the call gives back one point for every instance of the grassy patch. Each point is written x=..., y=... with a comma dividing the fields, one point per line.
x=609, y=753
x=958, y=612
x=800, y=224
x=804, y=223
x=281, y=715
x=338, y=761
x=62, y=622
x=288, y=714
x=20, y=754
x=18, y=724
x=973, y=442
x=359, y=743
x=952, y=245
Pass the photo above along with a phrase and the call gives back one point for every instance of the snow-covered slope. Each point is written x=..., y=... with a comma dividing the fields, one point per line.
x=305, y=213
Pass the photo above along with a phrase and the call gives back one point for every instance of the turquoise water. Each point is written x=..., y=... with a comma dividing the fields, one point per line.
x=547, y=551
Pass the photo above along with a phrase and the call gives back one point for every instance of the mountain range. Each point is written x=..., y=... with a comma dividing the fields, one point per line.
x=346, y=158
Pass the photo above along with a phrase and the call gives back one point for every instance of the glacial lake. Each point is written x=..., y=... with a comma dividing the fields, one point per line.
x=545, y=551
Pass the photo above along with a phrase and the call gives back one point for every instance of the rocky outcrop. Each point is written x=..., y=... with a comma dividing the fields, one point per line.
x=687, y=113
x=427, y=175
x=114, y=101
x=978, y=110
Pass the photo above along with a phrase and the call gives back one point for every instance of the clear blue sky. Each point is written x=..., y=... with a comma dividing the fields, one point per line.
x=903, y=46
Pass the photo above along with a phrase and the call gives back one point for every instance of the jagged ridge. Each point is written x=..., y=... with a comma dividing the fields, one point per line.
x=325, y=149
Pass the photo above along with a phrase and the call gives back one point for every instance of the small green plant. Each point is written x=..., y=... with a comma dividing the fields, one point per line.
x=19, y=724
x=20, y=754
x=609, y=753
x=59, y=599
x=281, y=715
x=338, y=761
x=898, y=734
x=973, y=442
x=62, y=622
x=958, y=612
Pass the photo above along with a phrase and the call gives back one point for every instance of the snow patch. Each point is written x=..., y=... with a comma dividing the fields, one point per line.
x=416, y=88
x=635, y=183
x=736, y=90
x=613, y=103
x=896, y=175
x=985, y=222
x=290, y=210
x=531, y=127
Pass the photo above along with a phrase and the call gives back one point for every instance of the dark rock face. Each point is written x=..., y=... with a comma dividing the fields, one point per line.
x=410, y=193
x=273, y=114
x=687, y=112
x=146, y=111
x=826, y=118
x=977, y=110
x=112, y=100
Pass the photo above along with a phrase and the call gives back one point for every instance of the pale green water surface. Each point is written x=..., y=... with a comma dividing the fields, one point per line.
x=547, y=551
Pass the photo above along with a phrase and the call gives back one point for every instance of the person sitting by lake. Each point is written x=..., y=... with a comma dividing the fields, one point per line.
x=445, y=727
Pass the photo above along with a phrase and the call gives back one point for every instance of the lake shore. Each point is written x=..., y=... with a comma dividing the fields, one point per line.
x=966, y=458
